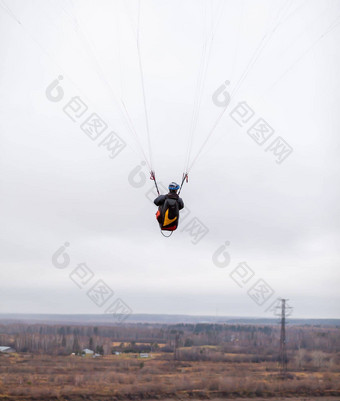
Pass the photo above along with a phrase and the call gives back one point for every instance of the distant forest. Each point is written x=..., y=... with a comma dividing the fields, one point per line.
x=184, y=340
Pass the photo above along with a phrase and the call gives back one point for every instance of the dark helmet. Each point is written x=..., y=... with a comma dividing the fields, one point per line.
x=173, y=186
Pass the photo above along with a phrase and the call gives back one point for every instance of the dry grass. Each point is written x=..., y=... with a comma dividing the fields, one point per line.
x=48, y=377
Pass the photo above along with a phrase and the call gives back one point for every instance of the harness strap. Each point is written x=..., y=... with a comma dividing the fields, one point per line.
x=153, y=177
x=185, y=178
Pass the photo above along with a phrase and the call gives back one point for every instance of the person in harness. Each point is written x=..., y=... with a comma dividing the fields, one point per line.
x=168, y=208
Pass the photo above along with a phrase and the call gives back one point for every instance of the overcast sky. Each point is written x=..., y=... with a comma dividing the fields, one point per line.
x=58, y=184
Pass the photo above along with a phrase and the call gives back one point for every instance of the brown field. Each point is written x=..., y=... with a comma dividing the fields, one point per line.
x=187, y=362
x=45, y=377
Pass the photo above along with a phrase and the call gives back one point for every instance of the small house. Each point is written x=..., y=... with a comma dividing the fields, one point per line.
x=87, y=352
x=144, y=355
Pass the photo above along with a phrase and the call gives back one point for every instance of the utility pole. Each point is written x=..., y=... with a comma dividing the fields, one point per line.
x=284, y=311
x=283, y=349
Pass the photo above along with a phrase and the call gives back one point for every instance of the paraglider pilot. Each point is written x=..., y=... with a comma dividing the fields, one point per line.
x=168, y=208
